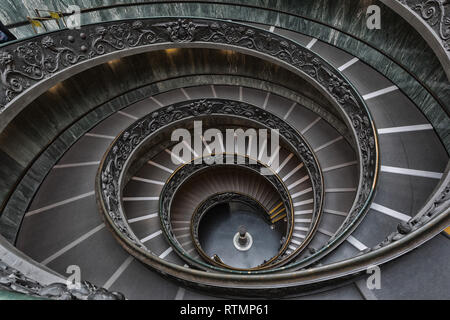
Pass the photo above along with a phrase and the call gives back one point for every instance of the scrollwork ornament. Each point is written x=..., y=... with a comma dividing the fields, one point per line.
x=436, y=14
x=26, y=63
x=14, y=281
x=181, y=30
x=128, y=141
x=34, y=60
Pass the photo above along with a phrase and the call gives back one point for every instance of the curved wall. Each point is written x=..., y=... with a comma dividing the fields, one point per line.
x=396, y=38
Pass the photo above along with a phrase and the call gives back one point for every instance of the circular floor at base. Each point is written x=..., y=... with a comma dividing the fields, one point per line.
x=221, y=223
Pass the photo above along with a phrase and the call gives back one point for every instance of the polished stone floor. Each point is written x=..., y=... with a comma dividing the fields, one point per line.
x=221, y=223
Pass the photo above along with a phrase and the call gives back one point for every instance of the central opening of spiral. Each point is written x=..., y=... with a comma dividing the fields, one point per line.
x=240, y=235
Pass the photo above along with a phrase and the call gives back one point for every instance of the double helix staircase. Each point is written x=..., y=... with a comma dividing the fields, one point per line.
x=62, y=225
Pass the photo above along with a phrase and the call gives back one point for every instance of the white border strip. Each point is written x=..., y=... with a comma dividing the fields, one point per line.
x=289, y=111
x=150, y=162
x=60, y=203
x=356, y=243
x=412, y=172
x=95, y=135
x=379, y=92
x=72, y=244
x=335, y=212
x=74, y=165
x=146, y=217
x=161, y=183
x=151, y=236
x=185, y=93
x=166, y=253
x=298, y=194
x=311, y=43
x=418, y=127
x=390, y=212
x=328, y=143
x=302, y=212
x=140, y=198
x=157, y=101
x=127, y=115
x=310, y=125
x=213, y=91
x=348, y=64
x=180, y=293
x=301, y=180
x=287, y=176
x=118, y=272
x=266, y=100
x=285, y=161
x=339, y=166
x=330, y=190
x=301, y=203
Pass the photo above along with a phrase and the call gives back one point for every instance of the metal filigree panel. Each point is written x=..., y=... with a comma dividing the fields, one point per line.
x=189, y=170
x=15, y=281
x=25, y=64
x=114, y=162
x=435, y=13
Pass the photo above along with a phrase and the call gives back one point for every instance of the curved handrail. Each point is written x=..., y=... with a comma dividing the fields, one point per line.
x=117, y=159
x=188, y=170
x=98, y=41
x=434, y=224
x=319, y=22
x=16, y=259
x=429, y=18
x=214, y=200
x=300, y=59
x=10, y=205
x=13, y=280
x=285, y=52
x=438, y=202
x=291, y=282
x=42, y=60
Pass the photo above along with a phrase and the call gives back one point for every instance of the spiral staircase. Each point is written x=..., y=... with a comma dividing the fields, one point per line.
x=362, y=177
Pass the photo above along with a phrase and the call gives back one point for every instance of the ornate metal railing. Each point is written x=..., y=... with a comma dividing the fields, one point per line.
x=290, y=282
x=438, y=204
x=22, y=70
x=435, y=13
x=29, y=67
x=431, y=19
x=187, y=171
x=112, y=170
x=13, y=280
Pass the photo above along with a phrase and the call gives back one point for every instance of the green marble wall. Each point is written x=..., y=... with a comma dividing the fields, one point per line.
x=9, y=295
